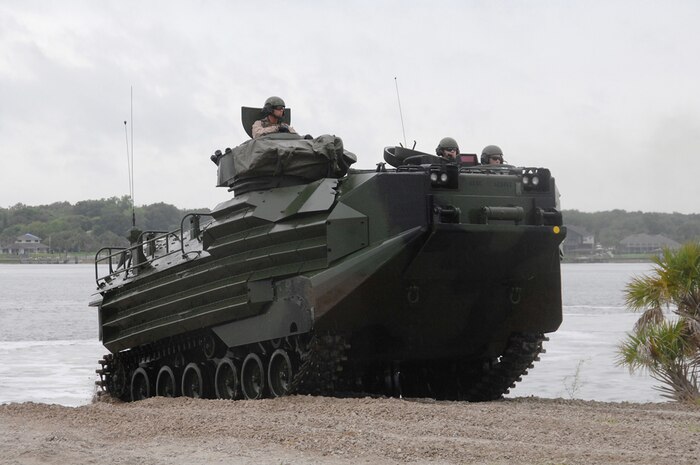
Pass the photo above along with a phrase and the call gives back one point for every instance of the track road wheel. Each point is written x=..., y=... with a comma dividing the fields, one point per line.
x=193, y=381
x=140, y=385
x=279, y=373
x=226, y=380
x=166, y=383
x=209, y=347
x=252, y=377
x=118, y=381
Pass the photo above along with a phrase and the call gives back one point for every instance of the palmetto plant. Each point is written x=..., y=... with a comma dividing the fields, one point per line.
x=668, y=347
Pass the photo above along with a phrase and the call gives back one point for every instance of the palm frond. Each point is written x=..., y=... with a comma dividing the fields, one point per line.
x=644, y=292
x=655, y=345
x=669, y=350
x=651, y=316
x=679, y=383
x=633, y=353
x=689, y=304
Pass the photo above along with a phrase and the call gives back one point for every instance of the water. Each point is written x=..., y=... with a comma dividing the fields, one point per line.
x=49, y=347
x=48, y=334
x=580, y=358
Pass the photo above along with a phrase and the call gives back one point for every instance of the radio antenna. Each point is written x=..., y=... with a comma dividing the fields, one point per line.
x=130, y=160
x=396, y=82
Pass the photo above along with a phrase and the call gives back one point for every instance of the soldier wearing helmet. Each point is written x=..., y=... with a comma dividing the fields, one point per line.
x=448, y=148
x=272, y=112
x=492, y=155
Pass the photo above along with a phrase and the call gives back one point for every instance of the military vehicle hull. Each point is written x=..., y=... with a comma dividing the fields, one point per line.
x=393, y=282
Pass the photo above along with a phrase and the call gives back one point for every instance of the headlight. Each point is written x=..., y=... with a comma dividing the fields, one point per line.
x=444, y=175
x=537, y=179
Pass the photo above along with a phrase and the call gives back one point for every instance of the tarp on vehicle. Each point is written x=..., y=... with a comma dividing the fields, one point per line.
x=286, y=157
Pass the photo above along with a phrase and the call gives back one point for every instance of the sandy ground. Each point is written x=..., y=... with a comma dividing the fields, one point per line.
x=296, y=430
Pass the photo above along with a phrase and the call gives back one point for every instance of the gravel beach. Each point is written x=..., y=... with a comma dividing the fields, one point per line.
x=305, y=429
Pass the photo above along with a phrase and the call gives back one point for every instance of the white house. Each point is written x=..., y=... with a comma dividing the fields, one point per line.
x=26, y=244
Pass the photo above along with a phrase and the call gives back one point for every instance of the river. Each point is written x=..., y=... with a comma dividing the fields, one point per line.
x=49, y=347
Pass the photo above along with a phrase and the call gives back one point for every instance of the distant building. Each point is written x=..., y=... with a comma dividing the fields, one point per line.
x=578, y=240
x=646, y=243
x=26, y=244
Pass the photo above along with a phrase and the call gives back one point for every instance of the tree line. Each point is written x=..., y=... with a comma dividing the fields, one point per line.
x=88, y=225
x=610, y=227
x=91, y=224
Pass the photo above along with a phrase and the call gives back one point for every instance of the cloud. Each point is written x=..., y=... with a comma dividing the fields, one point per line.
x=587, y=89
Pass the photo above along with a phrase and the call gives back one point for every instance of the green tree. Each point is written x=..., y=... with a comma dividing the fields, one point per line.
x=610, y=227
x=668, y=347
x=687, y=231
x=23, y=214
x=160, y=217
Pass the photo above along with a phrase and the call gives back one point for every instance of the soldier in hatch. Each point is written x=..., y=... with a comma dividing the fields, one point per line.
x=448, y=148
x=272, y=111
x=492, y=155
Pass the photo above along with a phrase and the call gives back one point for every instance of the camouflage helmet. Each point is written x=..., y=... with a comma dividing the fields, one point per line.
x=446, y=143
x=490, y=151
x=270, y=103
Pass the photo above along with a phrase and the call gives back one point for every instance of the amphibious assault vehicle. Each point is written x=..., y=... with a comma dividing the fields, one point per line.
x=422, y=278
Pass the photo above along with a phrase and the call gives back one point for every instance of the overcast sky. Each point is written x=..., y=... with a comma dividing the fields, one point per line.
x=604, y=93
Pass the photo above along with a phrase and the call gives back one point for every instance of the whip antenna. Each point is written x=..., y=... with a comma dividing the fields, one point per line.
x=130, y=160
x=396, y=82
x=133, y=207
x=128, y=157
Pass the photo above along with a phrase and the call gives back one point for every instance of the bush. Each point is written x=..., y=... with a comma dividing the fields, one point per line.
x=668, y=347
